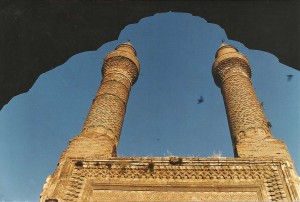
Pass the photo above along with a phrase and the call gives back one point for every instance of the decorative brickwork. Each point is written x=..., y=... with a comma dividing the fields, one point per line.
x=243, y=108
x=89, y=171
x=219, y=179
x=229, y=67
x=250, y=132
x=101, y=131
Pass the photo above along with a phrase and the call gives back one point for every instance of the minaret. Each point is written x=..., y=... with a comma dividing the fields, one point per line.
x=101, y=131
x=250, y=130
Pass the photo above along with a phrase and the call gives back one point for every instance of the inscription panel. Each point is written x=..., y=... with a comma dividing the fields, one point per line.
x=111, y=195
x=119, y=192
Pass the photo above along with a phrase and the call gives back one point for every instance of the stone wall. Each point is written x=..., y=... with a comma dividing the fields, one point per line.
x=182, y=179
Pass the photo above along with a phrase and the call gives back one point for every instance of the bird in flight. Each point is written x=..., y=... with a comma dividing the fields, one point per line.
x=200, y=100
x=289, y=77
x=269, y=124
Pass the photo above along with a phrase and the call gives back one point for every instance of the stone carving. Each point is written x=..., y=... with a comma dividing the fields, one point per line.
x=89, y=170
x=227, y=174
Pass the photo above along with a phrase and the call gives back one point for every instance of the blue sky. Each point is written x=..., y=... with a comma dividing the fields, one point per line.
x=176, y=52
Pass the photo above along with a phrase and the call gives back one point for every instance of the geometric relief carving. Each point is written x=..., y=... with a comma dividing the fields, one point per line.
x=132, y=180
x=87, y=172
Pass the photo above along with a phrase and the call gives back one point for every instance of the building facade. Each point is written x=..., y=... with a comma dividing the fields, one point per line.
x=89, y=169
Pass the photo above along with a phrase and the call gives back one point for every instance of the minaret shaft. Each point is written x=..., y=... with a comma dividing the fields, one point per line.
x=242, y=106
x=86, y=172
x=107, y=113
x=249, y=128
x=101, y=131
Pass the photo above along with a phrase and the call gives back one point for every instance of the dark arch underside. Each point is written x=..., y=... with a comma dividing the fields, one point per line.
x=37, y=36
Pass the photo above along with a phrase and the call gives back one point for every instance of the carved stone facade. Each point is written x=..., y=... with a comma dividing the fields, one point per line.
x=90, y=171
x=187, y=179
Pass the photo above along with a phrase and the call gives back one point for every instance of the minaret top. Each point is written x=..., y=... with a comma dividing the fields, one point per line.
x=124, y=59
x=126, y=46
x=228, y=51
x=225, y=48
x=127, y=43
x=229, y=58
x=223, y=43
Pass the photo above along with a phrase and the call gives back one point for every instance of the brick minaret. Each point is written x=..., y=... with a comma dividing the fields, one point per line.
x=101, y=131
x=88, y=170
x=250, y=132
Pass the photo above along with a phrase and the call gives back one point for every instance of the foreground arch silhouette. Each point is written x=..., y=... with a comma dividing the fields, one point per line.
x=38, y=36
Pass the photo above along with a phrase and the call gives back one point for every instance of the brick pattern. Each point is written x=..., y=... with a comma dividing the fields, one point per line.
x=268, y=147
x=132, y=180
x=230, y=66
x=250, y=132
x=242, y=106
x=102, y=128
x=109, y=105
x=90, y=171
x=121, y=65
